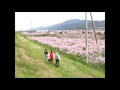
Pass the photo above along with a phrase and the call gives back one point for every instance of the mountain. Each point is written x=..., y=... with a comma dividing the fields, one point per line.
x=72, y=24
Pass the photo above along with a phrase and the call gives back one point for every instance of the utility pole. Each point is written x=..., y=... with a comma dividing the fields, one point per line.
x=86, y=38
x=31, y=28
x=95, y=33
x=21, y=28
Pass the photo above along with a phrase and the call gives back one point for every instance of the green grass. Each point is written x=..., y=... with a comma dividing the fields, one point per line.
x=30, y=62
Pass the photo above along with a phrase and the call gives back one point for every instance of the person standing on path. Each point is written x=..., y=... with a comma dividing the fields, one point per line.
x=51, y=57
x=57, y=58
x=46, y=54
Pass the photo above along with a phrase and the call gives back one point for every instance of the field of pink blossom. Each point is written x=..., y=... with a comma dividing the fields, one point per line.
x=76, y=44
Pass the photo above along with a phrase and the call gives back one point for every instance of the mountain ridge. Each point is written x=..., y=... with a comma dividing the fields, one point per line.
x=72, y=24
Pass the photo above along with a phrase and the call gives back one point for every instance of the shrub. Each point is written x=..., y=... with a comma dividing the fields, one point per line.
x=84, y=48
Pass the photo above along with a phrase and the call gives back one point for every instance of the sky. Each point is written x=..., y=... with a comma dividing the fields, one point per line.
x=23, y=20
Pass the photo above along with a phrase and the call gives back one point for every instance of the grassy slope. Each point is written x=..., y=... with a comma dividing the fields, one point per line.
x=30, y=63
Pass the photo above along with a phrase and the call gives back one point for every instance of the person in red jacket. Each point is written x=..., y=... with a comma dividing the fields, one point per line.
x=51, y=57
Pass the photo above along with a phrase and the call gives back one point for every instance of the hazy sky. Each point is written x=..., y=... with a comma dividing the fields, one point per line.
x=23, y=19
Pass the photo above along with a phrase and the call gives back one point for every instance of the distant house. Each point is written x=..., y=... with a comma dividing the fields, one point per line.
x=51, y=32
x=97, y=28
x=38, y=31
x=31, y=31
x=61, y=32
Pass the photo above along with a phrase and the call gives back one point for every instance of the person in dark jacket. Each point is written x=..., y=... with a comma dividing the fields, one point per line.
x=46, y=54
